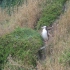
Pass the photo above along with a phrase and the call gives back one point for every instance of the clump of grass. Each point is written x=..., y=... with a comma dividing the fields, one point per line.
x=22, y=44
x=51, y=11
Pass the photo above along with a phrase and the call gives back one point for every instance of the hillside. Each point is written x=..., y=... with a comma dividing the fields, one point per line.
x=20, y=38
x=59, y=44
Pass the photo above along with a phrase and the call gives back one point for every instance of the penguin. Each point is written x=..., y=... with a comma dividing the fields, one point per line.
x=44, y=33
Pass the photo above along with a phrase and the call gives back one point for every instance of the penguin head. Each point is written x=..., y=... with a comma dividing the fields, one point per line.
x=44, y=27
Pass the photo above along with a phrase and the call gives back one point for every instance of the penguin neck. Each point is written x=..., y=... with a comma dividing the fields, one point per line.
x=45, y=29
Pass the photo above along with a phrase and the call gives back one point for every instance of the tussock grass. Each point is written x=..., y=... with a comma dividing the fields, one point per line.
x=22, y=44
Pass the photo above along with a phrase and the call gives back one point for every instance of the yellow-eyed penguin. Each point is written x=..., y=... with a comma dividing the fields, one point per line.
x=44, y=33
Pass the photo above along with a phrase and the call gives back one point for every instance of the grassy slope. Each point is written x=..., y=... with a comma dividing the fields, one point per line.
x=60, y=55
x=59, y=47
x=51, y=11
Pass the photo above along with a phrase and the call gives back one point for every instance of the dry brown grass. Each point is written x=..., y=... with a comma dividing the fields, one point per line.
x=60, y=42
x=26, y=16
x=29, y=14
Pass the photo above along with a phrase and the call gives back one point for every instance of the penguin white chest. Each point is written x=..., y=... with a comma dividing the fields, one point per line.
x=45, y=34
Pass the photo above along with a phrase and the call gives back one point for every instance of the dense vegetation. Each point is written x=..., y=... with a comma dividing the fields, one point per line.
x=10, y=3
x=50, y=12
x=22, y=44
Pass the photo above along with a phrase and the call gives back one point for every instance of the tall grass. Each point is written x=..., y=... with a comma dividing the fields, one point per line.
x=26, y=16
